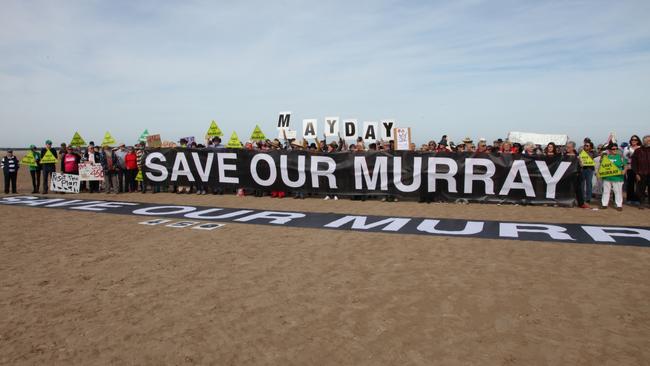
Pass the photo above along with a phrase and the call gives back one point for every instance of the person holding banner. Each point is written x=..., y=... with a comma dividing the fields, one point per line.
x=35, y=170
x=10, y=166
x=48, y=163
x=131, y=164
x=71, y=162
x=630, y=178
x=580, y=197
x=108, y=160
x=641, y=167
x=92, y=156
x=120, y=154
x=588, y=164
x=612, y=177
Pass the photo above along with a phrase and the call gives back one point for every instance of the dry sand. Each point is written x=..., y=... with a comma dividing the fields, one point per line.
x=95, y=289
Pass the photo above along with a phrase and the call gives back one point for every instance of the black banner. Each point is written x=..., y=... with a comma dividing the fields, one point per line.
x=485, y=229
x=430, y=176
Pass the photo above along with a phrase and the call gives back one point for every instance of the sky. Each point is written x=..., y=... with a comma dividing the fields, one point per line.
x=461, y=68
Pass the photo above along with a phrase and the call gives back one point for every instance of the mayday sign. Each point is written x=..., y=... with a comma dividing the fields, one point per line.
x=190, y=216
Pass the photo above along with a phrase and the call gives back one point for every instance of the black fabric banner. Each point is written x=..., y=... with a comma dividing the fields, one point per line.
x=411, y=175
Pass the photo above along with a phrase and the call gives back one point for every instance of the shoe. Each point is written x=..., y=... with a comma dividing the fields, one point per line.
x=619, y=209
x=326, y=198
x=603, y=207
x=336, y=198
x=383, y=199
x=584, y=205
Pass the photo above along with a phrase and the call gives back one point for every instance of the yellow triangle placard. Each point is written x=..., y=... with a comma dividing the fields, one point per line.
x=139, y=177
x=77, y=140
x=108, y=139
x=586, y=159
x=607, y=168
x=48, y=158
x=258, y=134
x=214, y=130
x=29, y=159
x=234, y=143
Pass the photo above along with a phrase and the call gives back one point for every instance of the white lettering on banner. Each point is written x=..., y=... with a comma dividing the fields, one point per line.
x=203, y=214
x=273, y=174
x=283, y=120
x=331, y=126
x=284, y=172
x=471, y=176
x=512, y=230
x=309, y=128
x=417, y=175
x=350, y=128
x=181, y=167
x=471, y=228
x=387, y=129
x=43, y=201
x=328, y=173
x=156, y=167
x=552, y=179
x=166, y=210
x=223, y=167
x=204, y=172
x=433, y=175
x=359, y=223
x=102, y=206
x=370, y=132
x=518, y=167
x=18, y=199
x=275, y=217
x=72, y=203
x=379, y=172
x=607, y=234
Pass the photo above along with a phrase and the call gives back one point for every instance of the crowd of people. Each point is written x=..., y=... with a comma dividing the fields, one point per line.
x=122, y=164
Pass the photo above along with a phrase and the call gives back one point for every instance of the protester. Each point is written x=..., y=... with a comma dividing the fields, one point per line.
x=131, y=165
x=587, y=171
x=109, y=165
x=48, y=168
x=139, y=152
x=630, y=177
x=580, y=197
x=120, y=154
x=10, y=166
x=641, y=168
x=614, y=183
x=35, y=170
x=92, y=156
x=551, y=149
x=71, y=162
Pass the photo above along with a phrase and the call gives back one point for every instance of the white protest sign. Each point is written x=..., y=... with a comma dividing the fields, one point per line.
x=290, y=134
x=350, y=129
x=331, y=126
x=387, y=129
x=68, y=183
x=402, y=138
x=91, y=171
x=309, y=128
x=283, y=120
x=370, y=131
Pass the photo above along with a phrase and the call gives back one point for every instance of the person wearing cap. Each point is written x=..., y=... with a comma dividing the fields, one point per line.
x=92, y=156
x=35, y=170
x=48, y=168
x=10, y=166
x=614, y=183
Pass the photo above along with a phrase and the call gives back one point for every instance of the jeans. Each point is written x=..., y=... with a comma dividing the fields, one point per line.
x=48, y=169
x=110, y=183
x=587, y=177
x=120, y=180
x=36, y=180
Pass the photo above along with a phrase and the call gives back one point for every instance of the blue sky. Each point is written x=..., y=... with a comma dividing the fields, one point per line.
x=476, y=68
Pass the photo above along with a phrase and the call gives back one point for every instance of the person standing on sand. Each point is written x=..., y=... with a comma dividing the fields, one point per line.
x=641, y=167
x=10, y=166
x=614, y=183
x=48, y=168
x=35, y=170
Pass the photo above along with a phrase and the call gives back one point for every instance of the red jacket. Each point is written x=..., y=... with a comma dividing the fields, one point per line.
x=131, y=161
x=641, y=160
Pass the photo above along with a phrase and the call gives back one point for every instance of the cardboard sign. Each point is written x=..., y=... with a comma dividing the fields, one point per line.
x=402, y=138
x=309, y=128
x=331, y=126
x=48, y=158
x=213, y=131
x=28, y=159
x=287, y=134
x=234, y=142
x=386, y=127
x=607, y=168
x=143, y=136
x=257, y=134
x=370, y=132
x=108, y=139
x=350, y=129
x=68, y=183
x=284, y=120
x=91, y=171
x=586, y=159
x=154, y=141
x=77, y=140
